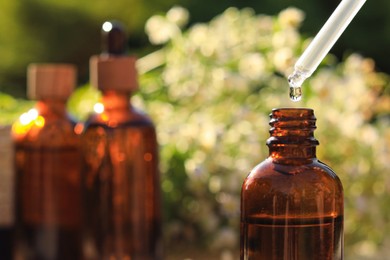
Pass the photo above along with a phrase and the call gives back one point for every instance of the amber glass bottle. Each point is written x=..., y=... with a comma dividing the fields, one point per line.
x=291, y=203
x=6, y=194
x=47, y=169
x=120, y=173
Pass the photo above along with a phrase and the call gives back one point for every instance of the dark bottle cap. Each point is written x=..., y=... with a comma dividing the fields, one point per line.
x=113, y=70
x=114, y=38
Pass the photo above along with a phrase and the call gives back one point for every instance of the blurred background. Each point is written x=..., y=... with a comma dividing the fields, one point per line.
x=210, y=73
x=69, y=31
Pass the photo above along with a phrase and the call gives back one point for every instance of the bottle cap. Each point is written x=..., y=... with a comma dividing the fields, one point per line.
x=113, y=73
x=114, y=38
x=52, y=81
x=113, y=70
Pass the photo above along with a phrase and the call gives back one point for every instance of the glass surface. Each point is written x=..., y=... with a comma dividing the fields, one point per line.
x=291, y=203
x=121, y=183
x=47, y=168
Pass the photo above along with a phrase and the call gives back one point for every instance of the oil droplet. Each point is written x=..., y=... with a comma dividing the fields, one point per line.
x=295, y=93
x=295, y=81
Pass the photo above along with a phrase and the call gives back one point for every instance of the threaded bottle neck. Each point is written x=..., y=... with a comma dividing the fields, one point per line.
x=292, y=135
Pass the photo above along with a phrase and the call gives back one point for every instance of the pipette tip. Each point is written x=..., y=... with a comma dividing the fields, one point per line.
x=295, y=80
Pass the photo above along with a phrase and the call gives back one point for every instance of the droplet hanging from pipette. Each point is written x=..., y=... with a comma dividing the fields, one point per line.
x=295, y=81
x=295, y=93
x=321, y=44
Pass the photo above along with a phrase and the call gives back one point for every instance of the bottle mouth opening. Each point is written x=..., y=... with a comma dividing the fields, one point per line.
x=292, y=112
x=301, y=116
x=292, y=109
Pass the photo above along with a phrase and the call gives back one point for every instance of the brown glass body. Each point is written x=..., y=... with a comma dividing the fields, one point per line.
x=6, y=194
x=47, y=167
x=291, y=203
x=121, y=183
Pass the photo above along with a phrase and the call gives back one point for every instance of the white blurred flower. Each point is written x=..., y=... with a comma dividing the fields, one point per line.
x=178, y=15
x=215, y=184
x=207, y=136
x=231, y=14
x=283, y=59
x=369, y=134
x=252, y=66
x=291, y=17
x=285, y=38
x=236, y=82
x=170, y=75
x=198, y=34
x=160, y=30
x=355, y=63
x=265, y=23
x=218, y=76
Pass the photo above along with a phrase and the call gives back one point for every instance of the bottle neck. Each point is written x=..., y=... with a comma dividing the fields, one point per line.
x=117, y=108
x=116, y=100
x=52, y=109
x=292, y=138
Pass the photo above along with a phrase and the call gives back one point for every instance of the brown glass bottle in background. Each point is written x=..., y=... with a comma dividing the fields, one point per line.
x=47, y=169
x=6, y=194
x=291, y=203
x=120, y=173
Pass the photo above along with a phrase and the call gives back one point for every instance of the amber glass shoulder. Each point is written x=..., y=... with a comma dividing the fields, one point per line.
x=299, y=191
x=47, y=125
x=118, y=112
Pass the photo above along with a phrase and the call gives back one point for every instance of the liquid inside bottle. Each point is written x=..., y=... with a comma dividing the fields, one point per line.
x=292, y=238
x=291, y=203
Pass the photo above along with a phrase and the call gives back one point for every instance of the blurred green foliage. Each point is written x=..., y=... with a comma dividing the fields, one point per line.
x=11, y=108
x=61, y=31
x=68, y=31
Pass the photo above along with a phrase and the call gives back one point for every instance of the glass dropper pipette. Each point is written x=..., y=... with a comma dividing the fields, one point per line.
x=321, y=44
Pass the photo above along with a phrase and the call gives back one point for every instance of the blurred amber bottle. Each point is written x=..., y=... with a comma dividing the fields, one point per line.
x=121, y=181
x=291, y=203
x=47, y=169
x=6, y=194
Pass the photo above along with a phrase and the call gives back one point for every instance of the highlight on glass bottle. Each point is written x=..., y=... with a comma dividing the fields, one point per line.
x=120, y=163
x=291, y=203
x=47, y=169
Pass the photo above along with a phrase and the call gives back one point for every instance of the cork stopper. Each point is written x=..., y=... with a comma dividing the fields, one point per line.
x=50, y=81
x=113, y=70
x=113, y=73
